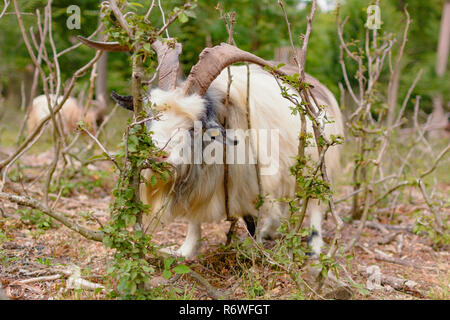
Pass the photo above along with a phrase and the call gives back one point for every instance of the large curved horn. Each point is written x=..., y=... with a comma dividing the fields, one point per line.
x=105, y=46
x=211, y=63
x=168, y=58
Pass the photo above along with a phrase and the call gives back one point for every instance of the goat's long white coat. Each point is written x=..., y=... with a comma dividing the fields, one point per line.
x=205, y=201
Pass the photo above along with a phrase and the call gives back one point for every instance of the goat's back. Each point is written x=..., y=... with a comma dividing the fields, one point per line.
x=269, y=110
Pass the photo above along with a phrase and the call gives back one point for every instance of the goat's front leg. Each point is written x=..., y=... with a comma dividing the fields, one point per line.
x=271, y=213
x=191, y=244
x=315, y=240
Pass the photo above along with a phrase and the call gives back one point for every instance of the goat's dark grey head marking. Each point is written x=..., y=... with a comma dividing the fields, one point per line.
x=211, y=124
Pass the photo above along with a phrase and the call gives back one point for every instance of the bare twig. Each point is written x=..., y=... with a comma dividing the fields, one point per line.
x=120, y=18
x=110, y=157
x=437, y=215
x=172, y=19
x=150, y=9
x=213, y=292
x=5, y=7
x=395, y=75
x=436, y=162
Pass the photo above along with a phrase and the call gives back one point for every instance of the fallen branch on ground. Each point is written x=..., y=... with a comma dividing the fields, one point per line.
x=405, y=263
x=380, y=226
x=388, y=238
x=32, y=203
x=402, y=285
x=213, y=292
x=38, y=279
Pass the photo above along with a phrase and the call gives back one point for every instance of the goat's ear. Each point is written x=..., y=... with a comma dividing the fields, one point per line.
x=123, y=101
x=217, y=132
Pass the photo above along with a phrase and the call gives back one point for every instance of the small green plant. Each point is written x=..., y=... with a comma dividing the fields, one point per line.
x=441, y=292
x=3, y=237
x=326, y=264
x=171, y=293
x=170, y=269
x=45, y=261
x=254, y=289
x=36, y=218
x=6, y=259
x=426, y=225
x=83, y=180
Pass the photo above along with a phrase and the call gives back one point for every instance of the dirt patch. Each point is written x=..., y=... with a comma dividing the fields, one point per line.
x=35, y=257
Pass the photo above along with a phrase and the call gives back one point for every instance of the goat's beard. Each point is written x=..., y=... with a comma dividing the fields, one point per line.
x=178, y=186
x=190, y=186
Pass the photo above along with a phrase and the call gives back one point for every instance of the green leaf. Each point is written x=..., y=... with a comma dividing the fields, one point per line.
x=147, y=47
x=135, y=4
x=191, y=14
x=96, y=157
x=183, y=17
x=133, y=288
x=168, y=262
x=181, y=269
x=97, y=291
x=167, y=274
x=153, y=180
x=131, y=221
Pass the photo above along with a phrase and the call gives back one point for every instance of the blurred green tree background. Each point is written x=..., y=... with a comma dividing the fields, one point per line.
x=260, y=28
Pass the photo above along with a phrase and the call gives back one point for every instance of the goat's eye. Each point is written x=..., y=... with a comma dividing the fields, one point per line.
x=148, y=124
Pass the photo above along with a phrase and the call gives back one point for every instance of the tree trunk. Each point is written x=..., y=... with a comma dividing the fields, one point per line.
x=438, y=118
x=254, y=32
x=101, y=86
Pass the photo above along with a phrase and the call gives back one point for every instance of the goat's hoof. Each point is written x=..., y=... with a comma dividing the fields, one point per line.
x=315, y=242
x=187, y=253
x=170, y=251
x=267, y=236
x=182, y=252
x=313, y=255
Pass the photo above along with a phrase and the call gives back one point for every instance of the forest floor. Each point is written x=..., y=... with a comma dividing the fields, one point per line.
x=38, y=256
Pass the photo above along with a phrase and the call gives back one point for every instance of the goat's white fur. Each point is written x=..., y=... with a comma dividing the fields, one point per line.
x=206, y=199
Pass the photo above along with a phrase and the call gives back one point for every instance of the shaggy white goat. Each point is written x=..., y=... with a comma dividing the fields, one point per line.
x=199, y=194
x=196, y=193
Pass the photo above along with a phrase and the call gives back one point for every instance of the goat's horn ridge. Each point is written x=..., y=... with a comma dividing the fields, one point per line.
x=168, y=58
x=211, y=63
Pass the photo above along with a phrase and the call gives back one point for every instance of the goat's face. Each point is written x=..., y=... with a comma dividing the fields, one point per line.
x=175, y=116
x=181, y=124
